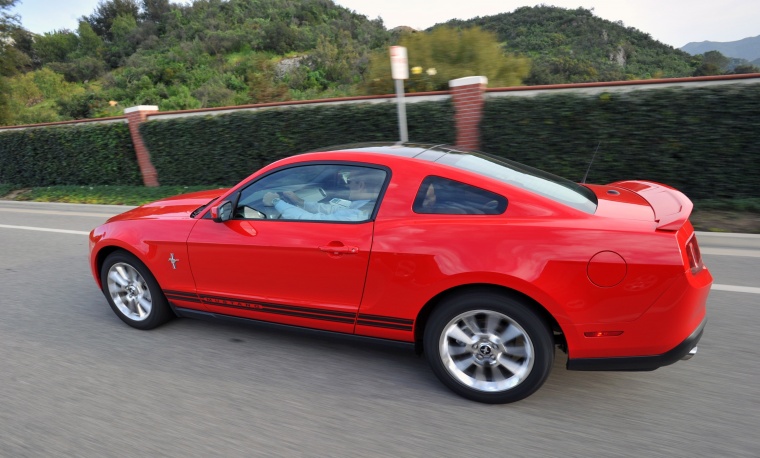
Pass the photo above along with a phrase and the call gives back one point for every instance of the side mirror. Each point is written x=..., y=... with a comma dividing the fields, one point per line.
x=222, y=212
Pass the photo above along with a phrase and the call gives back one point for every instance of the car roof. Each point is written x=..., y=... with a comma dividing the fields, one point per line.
x=430, y=152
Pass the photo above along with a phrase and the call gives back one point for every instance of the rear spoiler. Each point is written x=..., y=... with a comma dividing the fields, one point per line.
x=671, y=207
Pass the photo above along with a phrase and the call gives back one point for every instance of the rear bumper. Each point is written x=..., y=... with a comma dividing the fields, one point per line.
x=684, y=350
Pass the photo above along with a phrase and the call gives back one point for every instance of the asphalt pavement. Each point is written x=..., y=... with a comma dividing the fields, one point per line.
x=76, y=381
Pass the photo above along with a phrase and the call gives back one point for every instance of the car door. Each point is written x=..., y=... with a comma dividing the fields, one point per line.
x=303, y=272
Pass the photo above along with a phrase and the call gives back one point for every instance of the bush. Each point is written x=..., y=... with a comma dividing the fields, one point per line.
x=66, y=155
x=701, y=141
x=225, y=149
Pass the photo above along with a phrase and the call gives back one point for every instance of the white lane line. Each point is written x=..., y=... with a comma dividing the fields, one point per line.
x=44, y=229
x=727, y=235
x=55, y=212
x=736, y=289
x=730, y=252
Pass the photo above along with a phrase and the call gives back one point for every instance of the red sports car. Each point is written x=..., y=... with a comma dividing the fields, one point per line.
x=484, y=264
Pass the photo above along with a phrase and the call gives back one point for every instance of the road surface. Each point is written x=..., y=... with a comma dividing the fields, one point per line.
x=76, y=381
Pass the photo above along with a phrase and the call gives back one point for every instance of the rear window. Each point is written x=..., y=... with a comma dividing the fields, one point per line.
x=531, y=179
x=442, y=196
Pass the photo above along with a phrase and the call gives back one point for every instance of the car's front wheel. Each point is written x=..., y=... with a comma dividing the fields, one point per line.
x=132, y=291
x=489, y=347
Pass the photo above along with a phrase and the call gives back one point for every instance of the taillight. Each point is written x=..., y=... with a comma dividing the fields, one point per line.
x=695, y=257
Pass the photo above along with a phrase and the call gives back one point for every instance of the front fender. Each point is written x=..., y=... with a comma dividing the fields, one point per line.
x=154, y=243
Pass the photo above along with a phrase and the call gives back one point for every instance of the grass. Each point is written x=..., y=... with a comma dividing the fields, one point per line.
x=727, y=215
x=6, y=189
x=714, y=215
x=112, y=195
x=740, y=205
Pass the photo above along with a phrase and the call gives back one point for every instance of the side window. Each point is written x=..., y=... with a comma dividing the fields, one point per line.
x=448, y=197
x=316, y=192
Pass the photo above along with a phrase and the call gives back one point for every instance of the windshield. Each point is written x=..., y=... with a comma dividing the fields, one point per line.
x=531, y=179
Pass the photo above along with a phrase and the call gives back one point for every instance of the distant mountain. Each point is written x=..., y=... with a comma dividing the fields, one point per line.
x=747, y=48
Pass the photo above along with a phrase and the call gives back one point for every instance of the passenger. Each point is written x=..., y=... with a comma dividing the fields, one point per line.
x=364, y=187
x=430, y=198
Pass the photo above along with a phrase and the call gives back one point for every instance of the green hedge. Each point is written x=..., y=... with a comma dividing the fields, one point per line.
x=700, y=140
x=703, y=141
x=91, y=154
x=222, y=150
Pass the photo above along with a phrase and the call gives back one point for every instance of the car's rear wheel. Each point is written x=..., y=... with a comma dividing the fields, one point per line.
x=132, y=291
x=489, y=347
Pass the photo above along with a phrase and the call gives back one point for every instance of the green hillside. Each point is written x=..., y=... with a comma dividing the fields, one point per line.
x=573, y=46
x=230, y=52
x=210, y=53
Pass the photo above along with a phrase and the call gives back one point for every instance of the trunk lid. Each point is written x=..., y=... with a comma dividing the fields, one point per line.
x=638, y=200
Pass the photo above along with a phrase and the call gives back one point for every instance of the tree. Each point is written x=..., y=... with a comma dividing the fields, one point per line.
x=8, y=64
x=7, y=21
x=263, y=84
x=448, y=53
x=122, y=44
x=340, y=59
x=55, y=46
x=32, y=95
x=9, y=59
x=23, y=42
x=713, y=63
x=6, y=115
x=78, y=56
x=90, y=44
x=106, y=13
x=746, y=68
x=155, y=10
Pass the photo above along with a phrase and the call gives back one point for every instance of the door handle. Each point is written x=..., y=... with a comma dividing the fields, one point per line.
x=341, y=249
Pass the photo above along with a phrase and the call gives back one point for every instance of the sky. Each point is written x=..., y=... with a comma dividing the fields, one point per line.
x=674, y=22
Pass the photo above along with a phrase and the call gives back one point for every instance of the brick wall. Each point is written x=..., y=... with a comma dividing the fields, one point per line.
x=467, y=94
x=135, y=116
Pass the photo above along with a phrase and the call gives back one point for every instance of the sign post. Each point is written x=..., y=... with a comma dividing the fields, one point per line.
x=400, y=72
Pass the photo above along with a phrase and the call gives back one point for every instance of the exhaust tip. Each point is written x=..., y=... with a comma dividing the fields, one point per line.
x=690, y=355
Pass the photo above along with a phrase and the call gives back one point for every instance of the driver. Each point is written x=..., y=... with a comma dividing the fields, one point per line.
x=363, y=187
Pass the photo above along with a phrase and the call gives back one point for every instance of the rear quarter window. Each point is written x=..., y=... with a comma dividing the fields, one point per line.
x=531, y=179
x=441, y=196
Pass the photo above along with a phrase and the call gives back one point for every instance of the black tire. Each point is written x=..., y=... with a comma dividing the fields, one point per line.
x=505, y=353
x=132, y=291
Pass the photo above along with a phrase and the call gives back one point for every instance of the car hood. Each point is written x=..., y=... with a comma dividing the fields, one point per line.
x=180, y=206
x=643, y=201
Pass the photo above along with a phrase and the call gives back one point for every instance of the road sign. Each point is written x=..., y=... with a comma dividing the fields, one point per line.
x=399, y=63
x=400, y=72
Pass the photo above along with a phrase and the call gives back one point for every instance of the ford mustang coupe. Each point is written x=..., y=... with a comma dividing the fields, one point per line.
x=484, y=264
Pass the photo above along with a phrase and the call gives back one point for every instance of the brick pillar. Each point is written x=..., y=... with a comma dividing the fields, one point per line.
x=135, y=116
x=467, y=94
